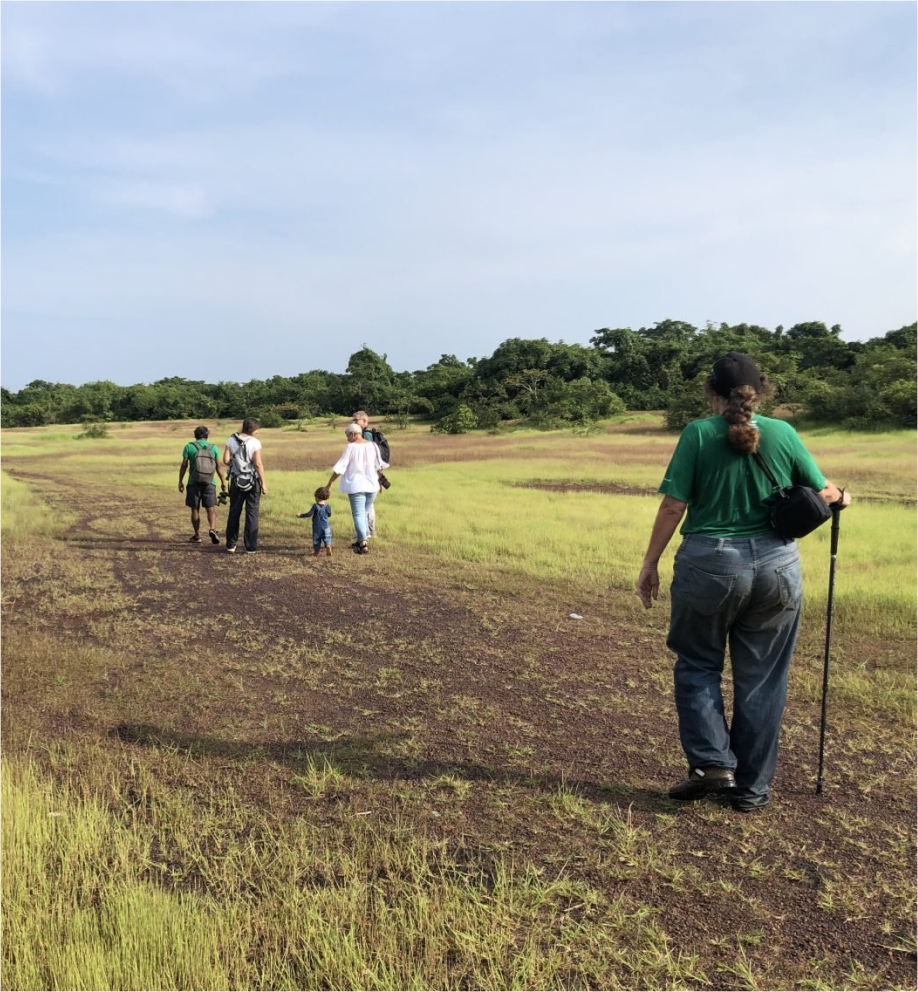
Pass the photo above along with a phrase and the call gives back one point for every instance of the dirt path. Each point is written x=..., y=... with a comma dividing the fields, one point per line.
x=401, y=674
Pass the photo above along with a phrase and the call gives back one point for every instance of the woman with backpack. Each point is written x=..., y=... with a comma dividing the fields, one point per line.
x=247, y=483
x=358, y=468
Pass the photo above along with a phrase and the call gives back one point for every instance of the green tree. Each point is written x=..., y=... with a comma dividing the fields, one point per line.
x=689, y=403
x=512, y=357
x=24, y=415
x=525, y=386
x=93, y=401
x=904, y=338
x=460, y=421
x=878, y=392
x=442, y=383
x=818, y=347
x=578, y=402
x=370, y=381
x=573, y=361
x=404, y=404
x=312, y=393
x=644, y=367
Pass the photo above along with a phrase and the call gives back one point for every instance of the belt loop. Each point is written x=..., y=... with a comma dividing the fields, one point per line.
x=720, y=545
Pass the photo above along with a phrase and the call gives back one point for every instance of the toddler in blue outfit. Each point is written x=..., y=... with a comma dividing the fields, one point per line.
x=320, y=511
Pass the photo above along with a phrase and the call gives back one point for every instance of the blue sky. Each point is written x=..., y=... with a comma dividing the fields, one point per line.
x=227, y=191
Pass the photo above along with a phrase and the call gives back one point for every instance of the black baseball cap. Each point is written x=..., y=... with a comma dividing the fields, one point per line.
x=735, y=369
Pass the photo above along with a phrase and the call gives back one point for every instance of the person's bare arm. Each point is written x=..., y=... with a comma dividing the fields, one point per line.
x=260, y=470
x=669, y=515
x=181, y=475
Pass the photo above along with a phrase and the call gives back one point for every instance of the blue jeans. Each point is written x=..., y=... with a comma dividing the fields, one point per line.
x=360, y=507
x=745, y=593
x=320, y=537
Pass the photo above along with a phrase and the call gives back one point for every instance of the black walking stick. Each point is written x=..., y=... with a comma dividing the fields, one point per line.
x=836, y=513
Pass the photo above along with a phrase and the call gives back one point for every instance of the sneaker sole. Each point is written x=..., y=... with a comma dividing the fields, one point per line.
x=711, y=789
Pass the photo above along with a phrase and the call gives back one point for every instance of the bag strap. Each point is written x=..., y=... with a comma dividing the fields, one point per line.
x=763, y=465
x=243, y=449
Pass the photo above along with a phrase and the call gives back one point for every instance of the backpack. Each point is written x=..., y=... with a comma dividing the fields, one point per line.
x=203, y=464
x=242, y=471
x=380, y=440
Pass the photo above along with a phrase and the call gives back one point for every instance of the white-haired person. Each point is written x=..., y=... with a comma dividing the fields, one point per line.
x=358, y=469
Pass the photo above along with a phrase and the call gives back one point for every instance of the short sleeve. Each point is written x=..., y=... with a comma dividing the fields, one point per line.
x=342, y=463
x=679, y=480
x=805, y=470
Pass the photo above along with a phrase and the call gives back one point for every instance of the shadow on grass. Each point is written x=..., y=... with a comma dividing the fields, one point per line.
x=359, y=757
x=174, y=545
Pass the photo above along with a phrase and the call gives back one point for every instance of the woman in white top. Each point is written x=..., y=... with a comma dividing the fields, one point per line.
x=247, y=484
x=358, y=468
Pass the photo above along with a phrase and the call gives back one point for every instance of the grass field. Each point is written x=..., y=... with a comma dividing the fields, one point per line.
x=414, y=769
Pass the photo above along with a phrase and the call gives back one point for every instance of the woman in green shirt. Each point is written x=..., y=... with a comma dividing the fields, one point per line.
x=735, y=582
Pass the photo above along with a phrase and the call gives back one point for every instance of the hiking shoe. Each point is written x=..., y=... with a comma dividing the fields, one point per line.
x=231, y=548
x=251, y=551
x=328, y=551
x=363, y=548
x=742, y=804
x=213, y=537
x=703, y=782
x=317, y=552
x=194, y=539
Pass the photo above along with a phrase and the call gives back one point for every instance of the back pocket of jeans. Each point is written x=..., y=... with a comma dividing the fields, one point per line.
x=701, y=591
x=790, y=585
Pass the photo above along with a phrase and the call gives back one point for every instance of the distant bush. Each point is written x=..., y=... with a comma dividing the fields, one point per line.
x=588, y=429
x=689, y=404
x=271, y=417
x=460, y=421
x=94, y=429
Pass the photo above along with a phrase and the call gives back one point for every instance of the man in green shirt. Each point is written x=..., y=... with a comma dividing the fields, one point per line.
x=203, y=460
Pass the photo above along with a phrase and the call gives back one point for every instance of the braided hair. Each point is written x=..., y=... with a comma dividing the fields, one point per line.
x=743, y=436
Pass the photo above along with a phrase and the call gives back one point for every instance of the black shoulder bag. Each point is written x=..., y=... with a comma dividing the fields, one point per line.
x=795, y=510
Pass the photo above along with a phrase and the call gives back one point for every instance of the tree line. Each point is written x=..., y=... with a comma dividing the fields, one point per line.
x=817, y=375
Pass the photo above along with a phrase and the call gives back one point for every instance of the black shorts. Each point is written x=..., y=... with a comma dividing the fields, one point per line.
x=198, y=494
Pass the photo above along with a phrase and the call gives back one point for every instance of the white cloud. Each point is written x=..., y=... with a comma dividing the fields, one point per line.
x=197, y=52
x=188, y=200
